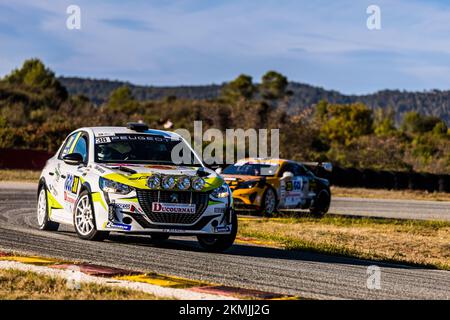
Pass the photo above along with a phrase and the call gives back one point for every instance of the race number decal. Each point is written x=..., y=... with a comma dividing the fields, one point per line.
x=102, y=140
x=72, y=183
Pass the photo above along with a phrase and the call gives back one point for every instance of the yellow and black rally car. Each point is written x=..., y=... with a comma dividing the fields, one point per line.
x=271, y=184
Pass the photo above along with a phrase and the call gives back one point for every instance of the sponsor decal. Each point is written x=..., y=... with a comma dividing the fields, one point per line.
x=123, y=206
x=68, y=198
x=99, y=169
x=105, y=134
x=223, y=229
x=219, y=210
x=174, y=230
x=72, y=183
x=58, y=172
x=118, y=226
x=173, y=207
x=135, y=137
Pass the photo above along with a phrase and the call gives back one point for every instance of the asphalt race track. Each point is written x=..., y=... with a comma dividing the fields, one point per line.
x=297, y=273
x=398, y=209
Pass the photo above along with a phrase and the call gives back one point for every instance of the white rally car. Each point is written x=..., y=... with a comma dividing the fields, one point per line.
x=121, y=179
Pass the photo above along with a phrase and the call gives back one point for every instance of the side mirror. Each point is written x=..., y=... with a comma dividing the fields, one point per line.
x=219, y=170
x=287, y=174
x=73, y=159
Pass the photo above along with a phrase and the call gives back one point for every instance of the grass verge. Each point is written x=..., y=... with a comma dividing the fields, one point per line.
x=389, y=194
x=21, y=285
x=424, y=243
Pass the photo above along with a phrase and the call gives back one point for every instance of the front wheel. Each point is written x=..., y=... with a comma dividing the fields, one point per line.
x=321, y=203
x=84, y=219
x=269, y=202
x=43, y=218
x=219, y=243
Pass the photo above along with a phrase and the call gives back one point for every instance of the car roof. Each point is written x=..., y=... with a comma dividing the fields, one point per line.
x=105, y=131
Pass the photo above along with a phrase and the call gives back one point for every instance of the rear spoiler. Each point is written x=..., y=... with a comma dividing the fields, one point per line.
x=319, y=166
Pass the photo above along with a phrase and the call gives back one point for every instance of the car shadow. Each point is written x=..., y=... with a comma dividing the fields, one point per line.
x=191, y=244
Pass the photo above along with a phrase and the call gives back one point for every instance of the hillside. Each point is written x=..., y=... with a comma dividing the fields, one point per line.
x=436, y=103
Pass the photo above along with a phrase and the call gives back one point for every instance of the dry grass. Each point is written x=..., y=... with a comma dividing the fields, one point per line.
x=425, y=243
x=19, y=175
x=389, y=194
x=20, y=285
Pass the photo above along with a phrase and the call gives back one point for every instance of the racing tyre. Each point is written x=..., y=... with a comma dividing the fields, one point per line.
x=43, y=219
x=84, y=219
x=219, y=243
x=321, y=203
x=269, y=202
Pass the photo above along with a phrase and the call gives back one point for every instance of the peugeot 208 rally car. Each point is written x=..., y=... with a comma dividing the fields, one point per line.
x=271, y=184
x=121, y=179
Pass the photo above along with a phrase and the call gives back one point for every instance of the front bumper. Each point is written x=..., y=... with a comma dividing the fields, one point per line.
x=129, y=214
x=248, y=198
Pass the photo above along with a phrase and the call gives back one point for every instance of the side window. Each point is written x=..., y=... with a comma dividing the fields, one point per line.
x=67, y=146
x=286, y=167
x=299, y=170
x=81, y=147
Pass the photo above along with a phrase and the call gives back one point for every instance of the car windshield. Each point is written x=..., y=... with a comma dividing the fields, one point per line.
x=142, y=148
x=252, y=169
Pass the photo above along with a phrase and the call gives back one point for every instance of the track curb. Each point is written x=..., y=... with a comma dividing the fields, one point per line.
x=170, y=284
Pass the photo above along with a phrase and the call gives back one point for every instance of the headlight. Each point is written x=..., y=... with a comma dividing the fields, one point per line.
x=198, y=183
x=168, y=182
x=154, y=182
x=114, y=187
x=183, y=183
x=221, y=192
x=248, y=184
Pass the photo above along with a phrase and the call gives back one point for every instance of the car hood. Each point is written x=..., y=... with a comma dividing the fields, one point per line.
x=234, y=180
x=136, y=175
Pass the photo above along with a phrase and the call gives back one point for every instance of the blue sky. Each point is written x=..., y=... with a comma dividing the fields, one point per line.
x=324, y=43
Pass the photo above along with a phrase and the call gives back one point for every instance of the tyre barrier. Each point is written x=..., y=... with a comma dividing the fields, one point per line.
x=342, y=177
x=23, y=159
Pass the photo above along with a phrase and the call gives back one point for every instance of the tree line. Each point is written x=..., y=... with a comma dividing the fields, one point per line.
x=37, y=112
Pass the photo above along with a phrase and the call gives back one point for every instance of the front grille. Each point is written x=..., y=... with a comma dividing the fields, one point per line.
x=147, y=197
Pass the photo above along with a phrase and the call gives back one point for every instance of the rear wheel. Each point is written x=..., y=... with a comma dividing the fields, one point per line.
x=84, y=219
x=321, y=203
x=43, y=218
x=219, y=243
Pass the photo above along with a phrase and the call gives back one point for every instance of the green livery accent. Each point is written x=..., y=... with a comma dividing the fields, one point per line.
x=132, y=199
x=97, y=197
x=213, y=183
x=211, y=202
x=72, y=147
x=52, y=203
